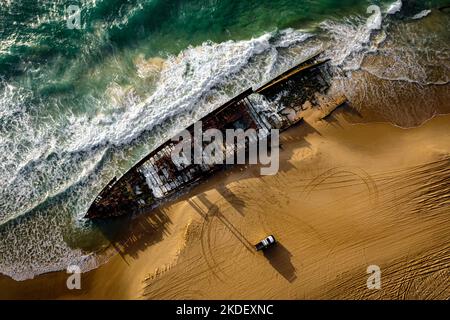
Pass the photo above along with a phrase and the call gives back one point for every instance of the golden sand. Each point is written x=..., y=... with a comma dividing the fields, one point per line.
x=347, y=196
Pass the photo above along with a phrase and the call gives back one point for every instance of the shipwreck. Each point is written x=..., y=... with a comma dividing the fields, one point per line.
x=157, y=177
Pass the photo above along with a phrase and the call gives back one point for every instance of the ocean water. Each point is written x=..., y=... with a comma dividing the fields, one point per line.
x=79, y=106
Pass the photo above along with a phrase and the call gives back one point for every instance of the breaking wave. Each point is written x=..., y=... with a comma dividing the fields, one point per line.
x=395, y=7
x=421, y=14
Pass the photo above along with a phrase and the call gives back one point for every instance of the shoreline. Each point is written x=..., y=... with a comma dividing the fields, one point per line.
x=169, y=244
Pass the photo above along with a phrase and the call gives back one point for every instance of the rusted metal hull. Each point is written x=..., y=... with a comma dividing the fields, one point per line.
x=157, y=177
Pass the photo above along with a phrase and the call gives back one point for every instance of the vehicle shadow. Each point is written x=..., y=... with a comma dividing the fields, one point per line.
x=280, y=259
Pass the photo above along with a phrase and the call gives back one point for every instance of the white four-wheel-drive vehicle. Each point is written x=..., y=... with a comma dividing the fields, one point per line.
x=265, y=243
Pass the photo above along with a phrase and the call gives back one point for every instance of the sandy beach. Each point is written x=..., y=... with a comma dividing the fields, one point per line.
x=347, y=196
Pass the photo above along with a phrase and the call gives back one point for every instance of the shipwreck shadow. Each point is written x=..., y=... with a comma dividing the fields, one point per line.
x=280, y=259
x=129, y=236
x=299, y=131
x=237, y=203
x=346, y=111
x=214, y=211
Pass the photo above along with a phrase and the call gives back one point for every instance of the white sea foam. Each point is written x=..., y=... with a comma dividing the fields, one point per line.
x=395, y=7
x=351, y=40
x=421, y=14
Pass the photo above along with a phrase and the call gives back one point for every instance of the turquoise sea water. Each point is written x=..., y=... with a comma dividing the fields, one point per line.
x=78, y=106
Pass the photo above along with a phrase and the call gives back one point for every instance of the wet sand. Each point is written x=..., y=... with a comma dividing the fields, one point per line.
x=347, y=196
